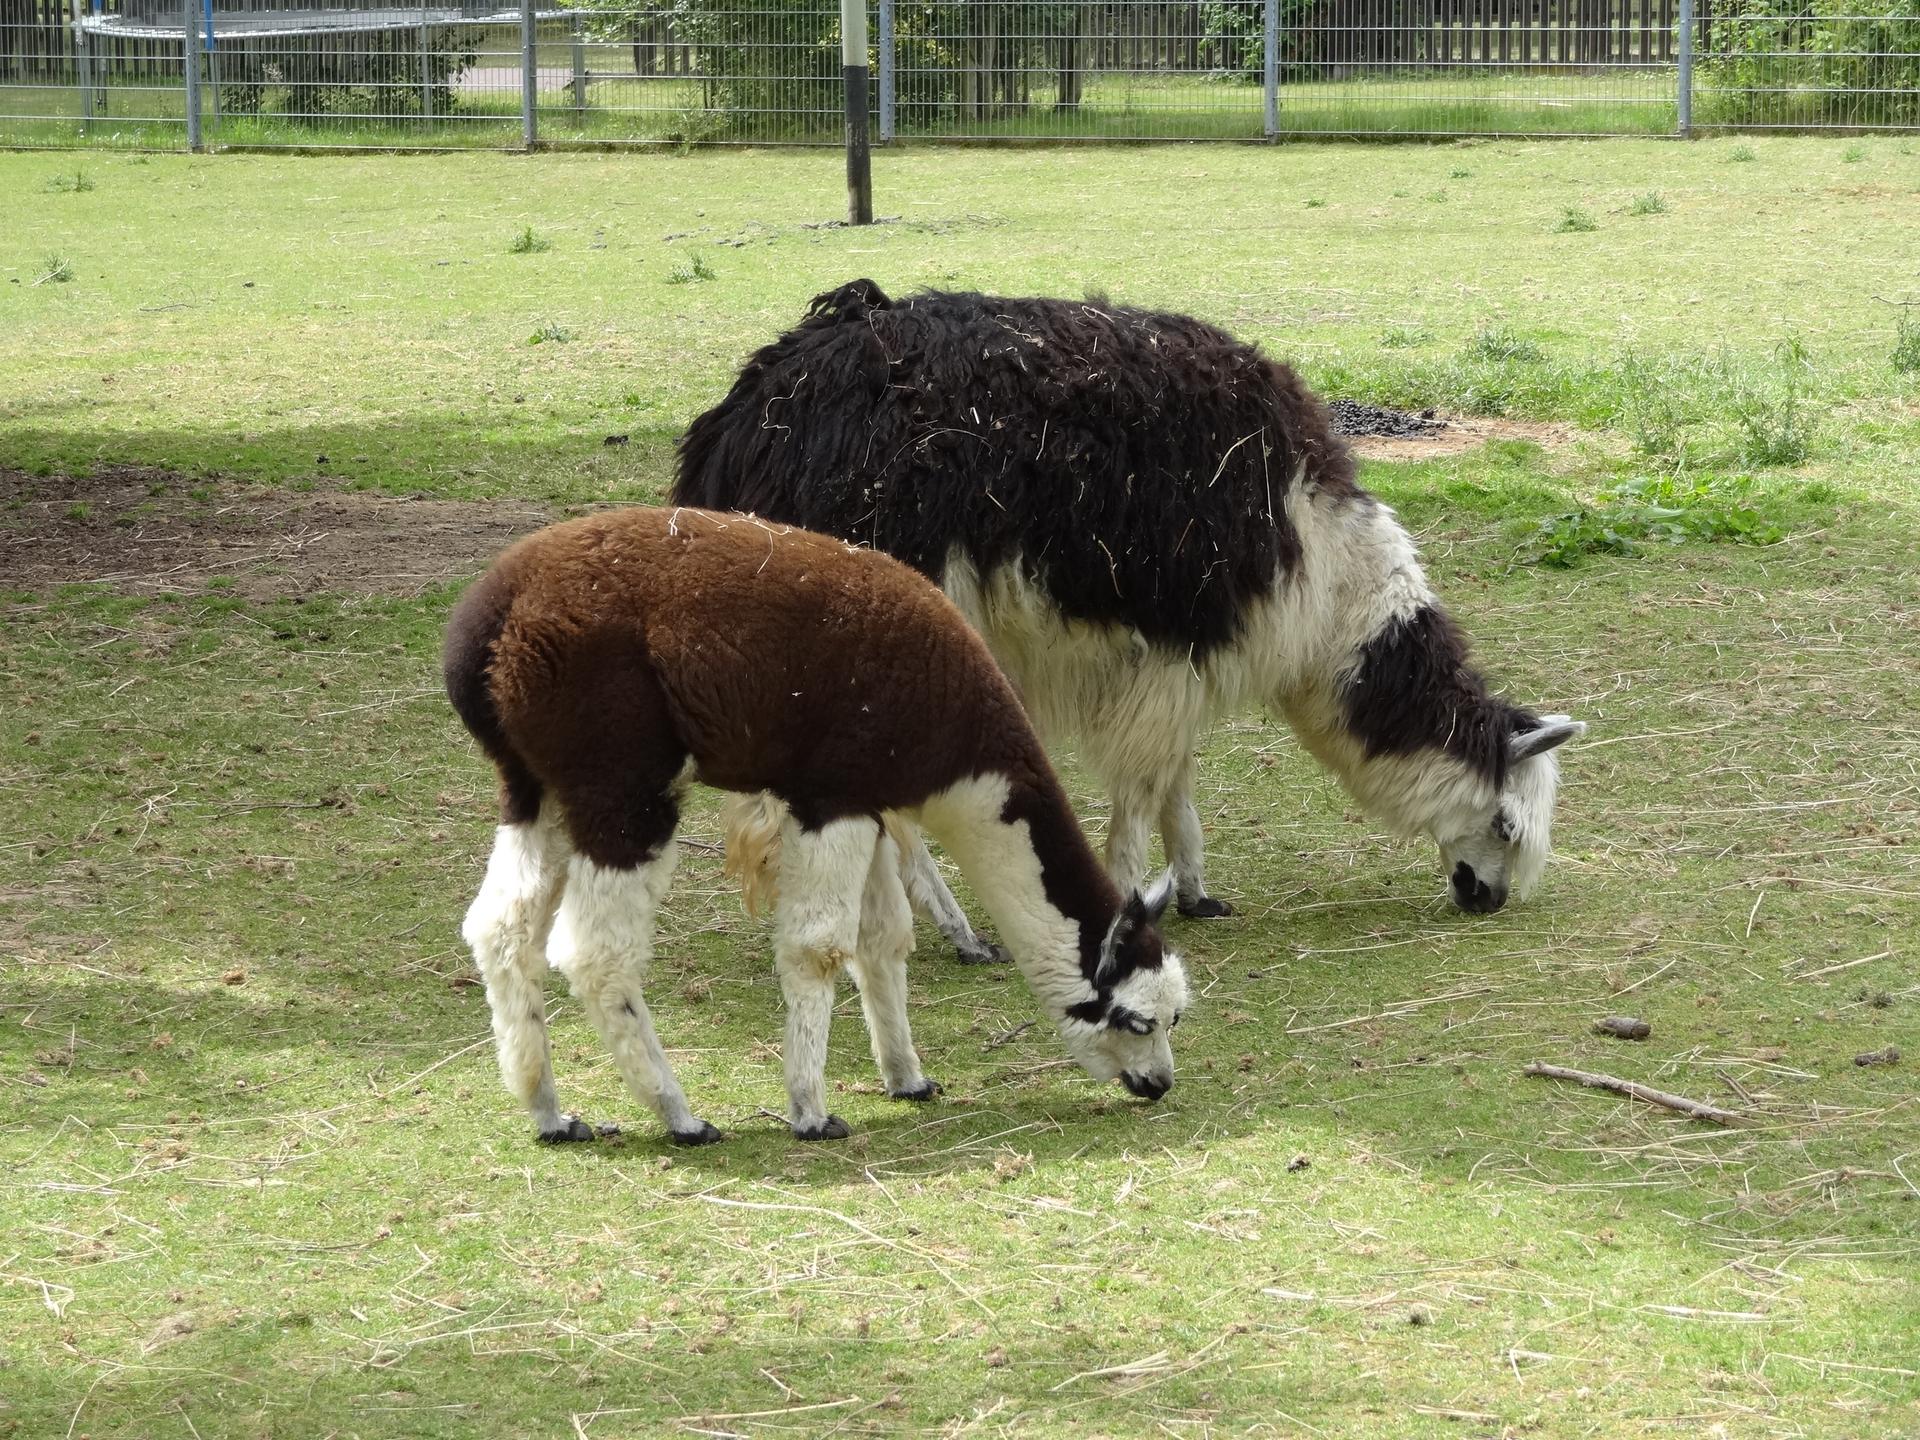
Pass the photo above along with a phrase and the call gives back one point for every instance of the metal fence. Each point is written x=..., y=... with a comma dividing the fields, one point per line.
x=323, y=73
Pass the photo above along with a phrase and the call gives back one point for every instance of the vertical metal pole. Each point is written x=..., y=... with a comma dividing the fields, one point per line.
x=886, y=72
x=1686, y=69
x=426, y=66
x=853, y=69
x=1270, y=44
x=579, y=67
x=529, y=75
x=190, y=52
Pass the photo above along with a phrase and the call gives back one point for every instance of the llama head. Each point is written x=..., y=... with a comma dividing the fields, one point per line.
x=1496, y=842
x=1140, y=992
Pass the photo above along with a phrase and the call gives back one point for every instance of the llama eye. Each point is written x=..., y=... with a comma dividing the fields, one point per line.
x=1174, y=1023
x=1502, y=827
x=1130, y=1021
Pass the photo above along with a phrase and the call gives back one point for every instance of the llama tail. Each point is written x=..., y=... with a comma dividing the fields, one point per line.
x=475, y=625
x=752, y=827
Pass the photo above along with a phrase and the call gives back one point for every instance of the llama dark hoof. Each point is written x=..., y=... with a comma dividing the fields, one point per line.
x=1205, y=908
x=704, y=1135
x=982, y=952
x=832, y=1128
x=576, y=1129
x=920, y=1093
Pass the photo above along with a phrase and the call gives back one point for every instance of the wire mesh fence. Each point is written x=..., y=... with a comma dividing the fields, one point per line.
x=510, y=73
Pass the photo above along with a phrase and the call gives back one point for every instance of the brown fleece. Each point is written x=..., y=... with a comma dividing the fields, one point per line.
x=597, y=656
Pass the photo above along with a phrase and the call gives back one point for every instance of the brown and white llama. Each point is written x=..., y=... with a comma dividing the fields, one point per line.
x=604, y=662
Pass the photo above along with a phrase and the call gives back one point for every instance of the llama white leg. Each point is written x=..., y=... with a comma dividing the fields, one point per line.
x=928, y=891
x=1187, y=851
x=823, y=875
x=602, y=946
x=879, y=966
x=506, y=927
x=1129, y=833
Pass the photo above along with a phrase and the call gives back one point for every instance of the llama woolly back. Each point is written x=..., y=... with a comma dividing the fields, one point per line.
x=603, y=663
x=1152, y=524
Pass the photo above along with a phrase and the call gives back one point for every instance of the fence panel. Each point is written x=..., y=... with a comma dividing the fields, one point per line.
x=455, y=73
x=1845, y=70
x=61, y=86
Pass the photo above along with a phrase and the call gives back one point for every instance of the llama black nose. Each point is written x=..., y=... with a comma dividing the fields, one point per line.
x=1147, y=1087
x=1473, y=894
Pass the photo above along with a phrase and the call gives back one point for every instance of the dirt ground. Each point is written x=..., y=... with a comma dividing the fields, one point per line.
x=145, y=531
x=148, y=532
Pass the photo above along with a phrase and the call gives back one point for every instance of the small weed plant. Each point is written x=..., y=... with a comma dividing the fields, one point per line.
x=1651, y=203
x=1403, y=337
x=528, y=242
x=54, y=270
x=1498, y=345
x=1575, y=221
x=1658, y=510
x=1906, y=343
x=1741, y=155
x=550, y=335
x=694, y=269
x=1769, y=406
x=78, y=183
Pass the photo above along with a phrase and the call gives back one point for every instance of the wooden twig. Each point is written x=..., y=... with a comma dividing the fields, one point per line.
x=1011, y=1035
x=1697, y=1109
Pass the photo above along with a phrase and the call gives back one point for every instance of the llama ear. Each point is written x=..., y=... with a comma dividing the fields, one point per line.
x=1140, y=911
x=1158, y=896
x=1552, y=732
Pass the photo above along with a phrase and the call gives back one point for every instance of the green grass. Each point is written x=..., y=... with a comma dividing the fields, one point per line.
x=258, y=1176
x=405, y=257
x=148, y=112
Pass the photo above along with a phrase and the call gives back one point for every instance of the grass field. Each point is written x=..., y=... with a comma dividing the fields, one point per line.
x=258, y=1177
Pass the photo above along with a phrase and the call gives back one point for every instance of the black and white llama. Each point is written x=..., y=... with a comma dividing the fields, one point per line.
x=603, y=662
x=1153, y=525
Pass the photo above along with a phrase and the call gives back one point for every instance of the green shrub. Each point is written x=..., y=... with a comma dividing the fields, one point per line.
x=1810, y=62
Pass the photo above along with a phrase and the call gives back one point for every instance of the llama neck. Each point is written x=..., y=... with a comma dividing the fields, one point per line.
x=1022, y=851
x=1369, y=670
x=1407, y=724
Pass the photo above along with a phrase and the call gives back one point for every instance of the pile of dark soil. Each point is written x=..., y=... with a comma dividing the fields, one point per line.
x=1355, y=417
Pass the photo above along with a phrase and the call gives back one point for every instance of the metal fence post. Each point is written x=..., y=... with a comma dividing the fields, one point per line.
x=190, y=53
x=886, y=72
x=579, y=66
x=529, y=75
x=1686, y=70
x=426, y=66
x=1270, y=49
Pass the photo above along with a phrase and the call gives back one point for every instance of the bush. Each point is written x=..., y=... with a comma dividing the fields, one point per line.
x=378, y=74
x=1810, y=62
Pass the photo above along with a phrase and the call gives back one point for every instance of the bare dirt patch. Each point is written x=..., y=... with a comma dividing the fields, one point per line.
x=149, y=532
x=1456, y=435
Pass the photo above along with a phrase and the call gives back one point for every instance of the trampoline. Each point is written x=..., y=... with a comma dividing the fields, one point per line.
x=376, y=59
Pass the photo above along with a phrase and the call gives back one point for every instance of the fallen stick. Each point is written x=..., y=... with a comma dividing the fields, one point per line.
x=1699, y=1110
